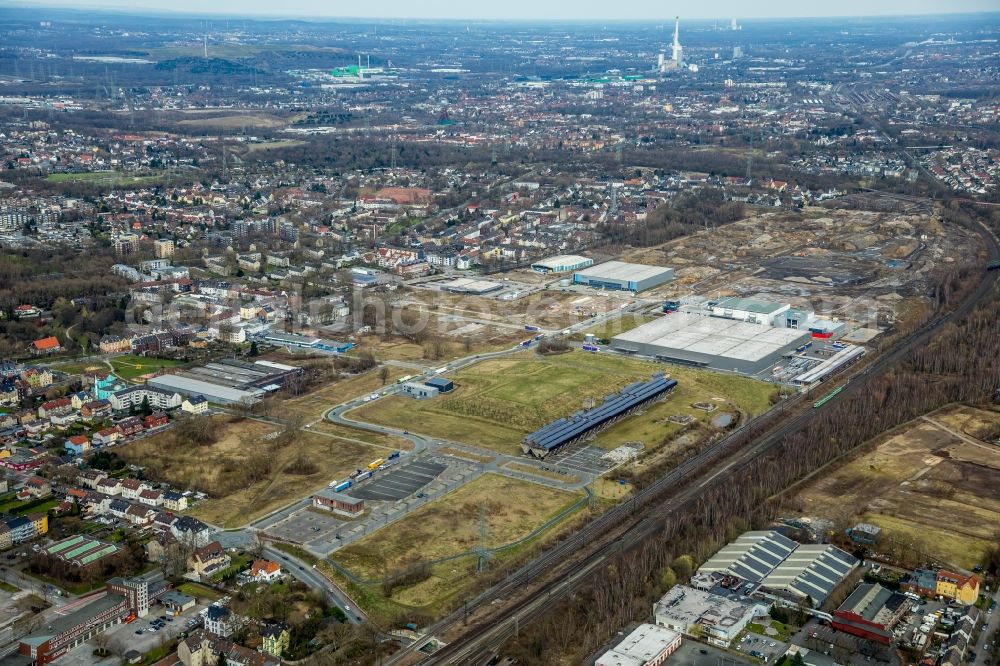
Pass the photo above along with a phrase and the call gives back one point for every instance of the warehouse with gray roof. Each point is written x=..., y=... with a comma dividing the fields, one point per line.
x=777, y=563
x=714, y=342
x=228, y=381
x=621, y=276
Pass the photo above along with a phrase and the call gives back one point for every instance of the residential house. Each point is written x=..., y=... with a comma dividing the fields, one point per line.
x=265, y=571
x=118, y=508
x=275, y=639
x=109, y=486
x=77, y=445
x=79, y=398
x=174, y=501
x=37, y=378
x=151, y=497
x=131, y=488
x=195, y=405
x=114, y=344
x=37, y=488
x=139, y=515
x=191, y=531
x=55, y=407
x=107, y=436
x=155, y=420
x=961, y=588
x=219, y=620
x=133, y=397
x=89, y=478
x=202, y=648
x=9, y=395
x=49, y=345
x=130, y=426
x=209, y=560
x=95, y=410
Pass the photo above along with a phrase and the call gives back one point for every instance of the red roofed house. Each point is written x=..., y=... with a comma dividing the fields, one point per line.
x=107, y=436
x=265, y=571
x=49, y=345
x=155, y=420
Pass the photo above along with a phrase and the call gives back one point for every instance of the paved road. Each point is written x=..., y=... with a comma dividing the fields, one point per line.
x=991, y=625
x=308, y=575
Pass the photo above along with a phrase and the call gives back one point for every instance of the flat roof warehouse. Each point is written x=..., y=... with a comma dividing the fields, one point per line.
x=696, y=339
x=228, y=381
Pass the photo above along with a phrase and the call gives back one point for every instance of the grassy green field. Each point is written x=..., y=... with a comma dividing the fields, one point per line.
x=133, y=367
x=200, y=592
x=79, y=367
x=497, y=402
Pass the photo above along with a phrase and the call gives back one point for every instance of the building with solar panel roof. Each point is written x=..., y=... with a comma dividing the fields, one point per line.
x=772, y=561
x=81, y=551
x=616, y=406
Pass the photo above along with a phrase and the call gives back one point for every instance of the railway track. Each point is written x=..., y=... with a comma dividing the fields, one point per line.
x=482, y=641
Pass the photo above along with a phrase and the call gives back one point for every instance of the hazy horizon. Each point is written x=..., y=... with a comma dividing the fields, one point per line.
x=513, y=10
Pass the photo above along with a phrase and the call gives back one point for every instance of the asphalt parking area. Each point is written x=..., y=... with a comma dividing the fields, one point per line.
x=306, y=525
x=397, y=484
x=580, y=458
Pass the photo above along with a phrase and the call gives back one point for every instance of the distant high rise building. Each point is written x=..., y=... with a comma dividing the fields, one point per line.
x=163, y=248
x=240, y=229
x=678, y=53
x=733, y=25
x=737, y=52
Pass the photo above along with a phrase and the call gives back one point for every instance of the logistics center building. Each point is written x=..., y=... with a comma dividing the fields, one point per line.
x=725, y=344
x=563, y=263
x=621, y=276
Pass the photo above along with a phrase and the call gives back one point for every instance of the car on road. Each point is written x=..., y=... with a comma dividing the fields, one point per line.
x=347, y=608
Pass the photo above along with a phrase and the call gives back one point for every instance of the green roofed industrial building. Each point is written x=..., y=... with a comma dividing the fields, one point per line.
x=82, y=551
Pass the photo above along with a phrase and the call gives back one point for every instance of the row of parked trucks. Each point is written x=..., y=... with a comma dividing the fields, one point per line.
x=361, y=474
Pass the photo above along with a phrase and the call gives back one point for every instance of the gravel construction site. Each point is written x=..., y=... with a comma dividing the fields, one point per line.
x=859, y=266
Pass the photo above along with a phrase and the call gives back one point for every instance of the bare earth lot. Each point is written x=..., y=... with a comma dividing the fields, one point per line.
x=248, y=471
x=925, y=486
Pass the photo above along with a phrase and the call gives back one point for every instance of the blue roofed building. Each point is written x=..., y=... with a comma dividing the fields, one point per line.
x=563, y=431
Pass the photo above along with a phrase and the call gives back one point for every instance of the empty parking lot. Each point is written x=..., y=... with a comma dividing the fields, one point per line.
x=394, y=485
x=580, y=458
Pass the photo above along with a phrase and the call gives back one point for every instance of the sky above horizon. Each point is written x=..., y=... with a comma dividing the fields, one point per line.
x=528, y=9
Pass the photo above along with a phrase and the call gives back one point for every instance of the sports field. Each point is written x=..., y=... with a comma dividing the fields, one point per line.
x=497, y=402
x=132, y=367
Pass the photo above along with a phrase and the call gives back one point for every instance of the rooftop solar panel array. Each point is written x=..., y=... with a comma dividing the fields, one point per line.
x=777, y=562
x=564, y=430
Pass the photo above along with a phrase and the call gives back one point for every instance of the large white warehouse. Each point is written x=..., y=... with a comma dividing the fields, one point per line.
x=697, y=339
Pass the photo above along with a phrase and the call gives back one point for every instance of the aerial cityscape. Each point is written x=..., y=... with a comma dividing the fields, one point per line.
x=334, y=340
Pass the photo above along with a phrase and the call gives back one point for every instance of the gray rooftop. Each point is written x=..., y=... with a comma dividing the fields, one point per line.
x=750, y=305
x=713, y=336
x=778, y=563
x=620, y=270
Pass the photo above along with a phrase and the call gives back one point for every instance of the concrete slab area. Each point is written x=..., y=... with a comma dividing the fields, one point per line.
x=397, y=484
